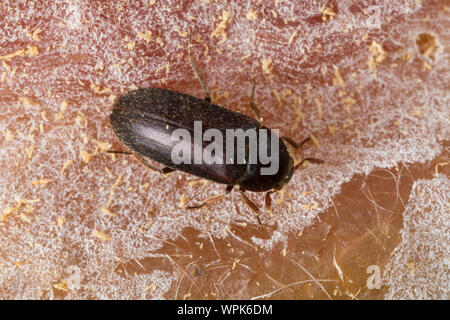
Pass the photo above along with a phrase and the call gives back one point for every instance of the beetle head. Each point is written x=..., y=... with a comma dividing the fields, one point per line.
x=286, y=177
x=253, y=180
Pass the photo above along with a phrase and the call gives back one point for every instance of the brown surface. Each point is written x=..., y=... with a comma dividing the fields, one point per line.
x=375, y=99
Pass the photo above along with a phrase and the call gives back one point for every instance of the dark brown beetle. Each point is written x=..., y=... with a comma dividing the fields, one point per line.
x=145, y=119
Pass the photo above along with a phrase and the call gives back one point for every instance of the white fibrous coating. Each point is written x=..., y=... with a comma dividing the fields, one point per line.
x=352, y=75
x=419, y=266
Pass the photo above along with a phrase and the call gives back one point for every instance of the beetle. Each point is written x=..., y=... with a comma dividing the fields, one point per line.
x=145, y=119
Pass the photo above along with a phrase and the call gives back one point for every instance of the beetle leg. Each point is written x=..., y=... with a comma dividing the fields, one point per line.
x=293, y=143
x=250, y=204
x=213, y=199
x=197, y=72
x=166, y=170
x=144, y=161
x=119, y=152
x=253, y=105
x=268, y=199
x=312, y=160
x=147, y=164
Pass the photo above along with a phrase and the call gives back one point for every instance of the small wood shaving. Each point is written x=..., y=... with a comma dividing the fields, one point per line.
x=66, y=165
x=338, y=79
x=235, y=263
x=35, y=34
x=8, y=135
x=131, y=45
x=252, y=15
x=42, y=182
x=412, y=268
x=419, y=112
x=7, y=67
x=349, y=102
x=98, y=89
x=266, y=65
x=146, y=36
x=220, y=29
x=24, y=217
x=150, y=287
x=332, y=129
x=108, y=212
x=293, y=36
x=61, y=286
x=159, y=41
x=111, y=193
x=10, y=56
x=19, y=263
x=60, y=221
x=9, y=210
x=104, y=146
x=148, y=224
x=85, y=156
x=28, y=101
x=377, y=55
x=30, y=151
x=187, y=295
x=29, y=209
x=81, y=121
x=319, y=107
x=328, y=11
x=348, y=123
x=101, y=235
x=426, y=66
x=32, y=51
x=183, y=202
x=182, y=34
x=118, y=180
x=64, y=105
x=314, y=140
x=281, y=198
x=28, y=201
x=6, y=212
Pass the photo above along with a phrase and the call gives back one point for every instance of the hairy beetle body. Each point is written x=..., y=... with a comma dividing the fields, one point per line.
x=145, y=119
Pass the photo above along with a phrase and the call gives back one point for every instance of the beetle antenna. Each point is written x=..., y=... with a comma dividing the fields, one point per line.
x=119, y=152
x=197, y=71
x=312, y=160
x=253, y=105
x=295, y=144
